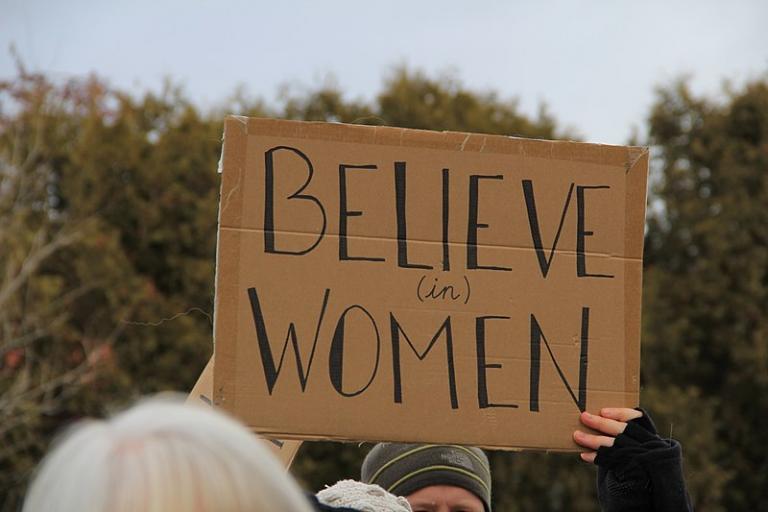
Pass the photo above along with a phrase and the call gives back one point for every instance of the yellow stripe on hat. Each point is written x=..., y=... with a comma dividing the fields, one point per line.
x=444, y=468
x=372, y=480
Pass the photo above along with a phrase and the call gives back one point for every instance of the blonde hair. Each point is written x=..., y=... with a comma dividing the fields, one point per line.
x=163, y=456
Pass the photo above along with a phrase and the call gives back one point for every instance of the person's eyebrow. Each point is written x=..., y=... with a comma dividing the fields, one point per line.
x=463, y=505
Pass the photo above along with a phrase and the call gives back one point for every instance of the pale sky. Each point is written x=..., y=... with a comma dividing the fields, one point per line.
x=594, y=63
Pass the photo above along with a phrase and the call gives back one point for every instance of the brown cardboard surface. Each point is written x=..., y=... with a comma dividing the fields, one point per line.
x=201, y=395
x=417, y=277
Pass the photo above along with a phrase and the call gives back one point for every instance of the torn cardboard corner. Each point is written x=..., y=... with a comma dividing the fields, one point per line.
x=201, y=394
x=385, y=284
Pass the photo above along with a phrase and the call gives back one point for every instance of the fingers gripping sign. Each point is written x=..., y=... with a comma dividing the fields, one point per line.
x=610, y=421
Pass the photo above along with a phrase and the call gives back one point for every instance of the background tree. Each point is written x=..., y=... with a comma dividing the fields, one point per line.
x=108, y=208
x=706, y=329
x=107, y=225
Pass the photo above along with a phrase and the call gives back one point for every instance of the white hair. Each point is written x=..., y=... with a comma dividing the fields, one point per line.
x=163, y=456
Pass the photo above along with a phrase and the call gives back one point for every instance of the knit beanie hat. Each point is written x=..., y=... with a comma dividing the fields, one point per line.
x=403, y=469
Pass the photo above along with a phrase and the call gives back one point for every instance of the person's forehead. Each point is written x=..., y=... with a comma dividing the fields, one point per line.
x=449, y=494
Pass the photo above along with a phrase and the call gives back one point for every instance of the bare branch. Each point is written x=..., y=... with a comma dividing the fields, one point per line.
x=34, y=260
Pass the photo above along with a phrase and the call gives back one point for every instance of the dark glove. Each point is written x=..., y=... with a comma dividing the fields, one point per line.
x=641, y=471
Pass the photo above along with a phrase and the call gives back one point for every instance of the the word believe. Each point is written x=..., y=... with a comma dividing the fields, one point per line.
x=474, y=225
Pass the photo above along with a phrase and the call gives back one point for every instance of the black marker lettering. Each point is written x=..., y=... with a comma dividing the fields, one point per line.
x=344, y=213
x=446, y=211
x=336, y=356
x=536, y=336
x=533, y=221
x=482, y=366
x=269, y=202
x=271, y=373
x=582, y=233
x=402, y=231
x=473, y=225
x=396, y=330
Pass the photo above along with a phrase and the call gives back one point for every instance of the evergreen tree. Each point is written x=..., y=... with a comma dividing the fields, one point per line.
x=705, y=361
x=108, y=211
x=107, y=227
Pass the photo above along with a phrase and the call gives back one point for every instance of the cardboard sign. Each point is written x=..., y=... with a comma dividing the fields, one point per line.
x=201, y=395
x=377, y=283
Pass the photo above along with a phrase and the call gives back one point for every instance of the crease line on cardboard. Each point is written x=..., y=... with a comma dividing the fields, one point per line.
x=464, y=143
x=434, y=242
x=235, y=188
x=220, y=164
x=431, y=309
x=634, y=155
x=520, y=448
x=598, y=154
x=243, y=120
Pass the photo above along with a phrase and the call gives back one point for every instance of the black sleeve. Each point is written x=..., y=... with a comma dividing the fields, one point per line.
x=641, y=472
